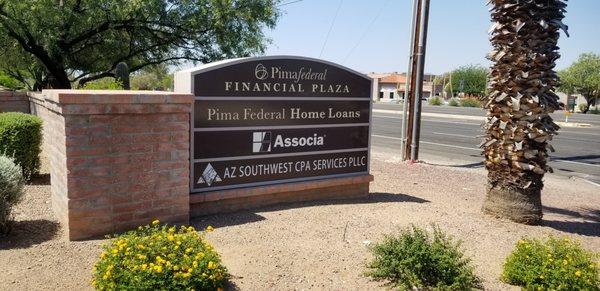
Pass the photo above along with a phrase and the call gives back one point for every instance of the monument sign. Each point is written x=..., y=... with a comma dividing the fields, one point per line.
x=268, y=120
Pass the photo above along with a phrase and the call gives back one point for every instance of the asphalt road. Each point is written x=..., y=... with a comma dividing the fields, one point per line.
x=454, y=141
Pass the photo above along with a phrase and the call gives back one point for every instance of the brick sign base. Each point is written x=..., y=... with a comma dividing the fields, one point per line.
x=118, y=159
x=247, y=198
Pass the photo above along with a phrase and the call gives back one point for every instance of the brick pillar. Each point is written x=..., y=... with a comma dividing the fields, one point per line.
x=118, y=159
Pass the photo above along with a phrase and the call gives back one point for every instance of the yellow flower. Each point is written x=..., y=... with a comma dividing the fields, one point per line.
x=104, y=277
x=115, y=251
x=103, y=255
x=195, y=264
x=191, y=229
x=188, y=250
x=172, y=229
x=170, y=237
x=186, y=275
x=144, y=266
x=175, y=267
x=158, y=269
x=141, y=257
x=578, y=273
x=565, y=262
x=541, y=276
x=209, y=228
x=211, y=265
x=155, y=222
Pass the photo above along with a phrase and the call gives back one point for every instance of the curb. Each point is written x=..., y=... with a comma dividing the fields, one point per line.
x=475, y=118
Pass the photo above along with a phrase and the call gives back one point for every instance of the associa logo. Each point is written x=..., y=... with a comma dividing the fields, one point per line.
x=262, y=141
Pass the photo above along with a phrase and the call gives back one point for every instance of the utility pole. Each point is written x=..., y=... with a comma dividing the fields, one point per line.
x=407, y=98
x=416, y=71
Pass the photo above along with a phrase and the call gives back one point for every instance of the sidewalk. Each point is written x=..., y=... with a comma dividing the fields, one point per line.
x=472, y=117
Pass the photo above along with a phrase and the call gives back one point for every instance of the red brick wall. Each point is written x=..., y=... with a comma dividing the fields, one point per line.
x=118, y=159
x=13, y=102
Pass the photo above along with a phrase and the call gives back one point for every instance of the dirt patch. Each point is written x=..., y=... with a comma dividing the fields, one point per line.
x=318, y=245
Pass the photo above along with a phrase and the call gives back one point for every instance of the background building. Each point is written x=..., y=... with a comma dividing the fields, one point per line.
x=389, y=87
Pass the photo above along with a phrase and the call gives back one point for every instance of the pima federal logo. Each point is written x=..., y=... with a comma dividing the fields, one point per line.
x=260, y=72
x=262, y=141
x=209, y=176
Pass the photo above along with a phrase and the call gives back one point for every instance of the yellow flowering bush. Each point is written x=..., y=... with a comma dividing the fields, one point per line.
x=159, y=257
x=554, y=264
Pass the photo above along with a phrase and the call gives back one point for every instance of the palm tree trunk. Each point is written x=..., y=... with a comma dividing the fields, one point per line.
x=521, y=96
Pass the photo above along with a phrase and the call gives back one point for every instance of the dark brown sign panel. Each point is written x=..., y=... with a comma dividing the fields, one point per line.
x=221, y=113
x=214, y=175
x=282, y=78
x=267, y=120
x=213, y=144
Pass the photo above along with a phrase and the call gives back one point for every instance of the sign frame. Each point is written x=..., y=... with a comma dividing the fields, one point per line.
x=185, y=83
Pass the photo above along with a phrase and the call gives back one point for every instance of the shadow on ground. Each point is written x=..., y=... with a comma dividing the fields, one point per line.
x=28, y=233
x=41, y=179
x=468, y=166
x=575, y=227
x=250, y=216
x=587, y=214
x=587, y=221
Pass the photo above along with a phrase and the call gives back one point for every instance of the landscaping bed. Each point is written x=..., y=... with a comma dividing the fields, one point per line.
x=317, y=245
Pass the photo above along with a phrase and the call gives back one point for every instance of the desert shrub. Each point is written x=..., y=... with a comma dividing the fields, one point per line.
x=11, y=191
x=21, y=138
x=103, y=84
x=418, y=259
x=436, y=101
x=470, y=102
x=453, y=102
x=581, y=107
x=554, y=264
x=159, y=257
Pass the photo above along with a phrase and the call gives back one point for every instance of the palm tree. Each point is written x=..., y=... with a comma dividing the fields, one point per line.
x=521, y=95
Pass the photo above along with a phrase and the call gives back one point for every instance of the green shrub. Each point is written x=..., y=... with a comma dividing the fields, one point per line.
x=581, y=107
x=21, y=138
x=453, y=102
x=418, y=259
x=436, y=101
x=156, y=257
x=103, y=84
x=11, y=191
x=555, y=264
x=470, y=102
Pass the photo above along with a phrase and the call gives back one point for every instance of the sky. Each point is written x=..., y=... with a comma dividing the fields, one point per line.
x=374, y=35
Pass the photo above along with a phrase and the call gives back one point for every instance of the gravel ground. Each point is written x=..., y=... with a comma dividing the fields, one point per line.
x=318, y=245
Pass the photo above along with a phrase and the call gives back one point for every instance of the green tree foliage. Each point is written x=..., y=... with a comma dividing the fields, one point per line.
x=58, y=43
x=583, y=77
x=153, y=78
x=470, y=79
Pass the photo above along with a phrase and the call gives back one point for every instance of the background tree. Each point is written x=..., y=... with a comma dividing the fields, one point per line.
x=583, y=77
x=518, y=127
x=84, y=40
x=153, y=78
x=469, y=79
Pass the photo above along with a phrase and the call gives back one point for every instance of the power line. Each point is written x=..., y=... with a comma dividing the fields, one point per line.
x=366, y=30
x=287, y=3
x=330, y=27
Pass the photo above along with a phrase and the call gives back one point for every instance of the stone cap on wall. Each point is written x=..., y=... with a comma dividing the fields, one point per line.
x=115, y=97
x=77, y=102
